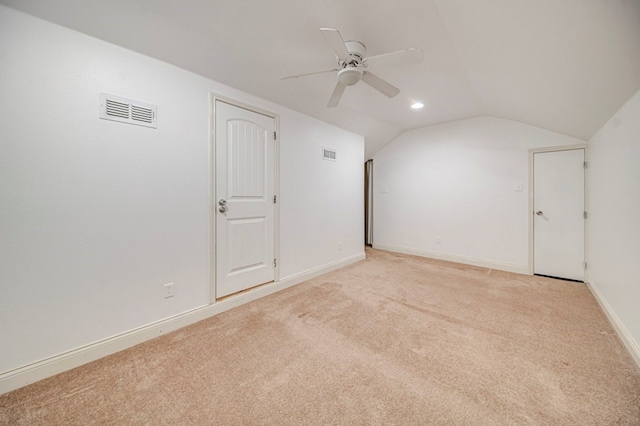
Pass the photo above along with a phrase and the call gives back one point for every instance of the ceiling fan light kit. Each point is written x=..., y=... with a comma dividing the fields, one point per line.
x=353, y=65
x=349, y=75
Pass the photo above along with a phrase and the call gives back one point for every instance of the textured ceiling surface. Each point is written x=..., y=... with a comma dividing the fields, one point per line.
x=565, y=66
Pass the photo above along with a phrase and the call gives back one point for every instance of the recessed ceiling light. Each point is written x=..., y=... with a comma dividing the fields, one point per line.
x=417, y=105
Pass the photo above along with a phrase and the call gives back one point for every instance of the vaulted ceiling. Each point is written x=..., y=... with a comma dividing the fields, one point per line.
x=566, y=66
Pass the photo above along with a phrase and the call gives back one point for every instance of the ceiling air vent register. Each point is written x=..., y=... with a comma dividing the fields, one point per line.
x=329, y=154
x=125, y=110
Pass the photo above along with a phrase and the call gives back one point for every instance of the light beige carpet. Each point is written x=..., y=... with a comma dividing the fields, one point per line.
x=393, y=339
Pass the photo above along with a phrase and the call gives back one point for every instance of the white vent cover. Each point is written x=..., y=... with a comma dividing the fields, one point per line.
x=328, y=154
x=126, y=110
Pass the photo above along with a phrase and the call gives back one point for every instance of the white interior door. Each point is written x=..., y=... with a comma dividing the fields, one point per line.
x=558, y=200
x=244, y=144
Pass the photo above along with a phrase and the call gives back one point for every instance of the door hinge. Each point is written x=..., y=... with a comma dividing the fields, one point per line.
x=275, y=136
x=274, y=199
x=585, y=265
x=274, y=263
x=584, y=164
x=585, y=214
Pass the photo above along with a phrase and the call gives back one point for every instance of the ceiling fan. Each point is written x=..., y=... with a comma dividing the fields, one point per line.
x=353, y=66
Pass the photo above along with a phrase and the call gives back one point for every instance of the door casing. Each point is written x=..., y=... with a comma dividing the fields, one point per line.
x=212, y=187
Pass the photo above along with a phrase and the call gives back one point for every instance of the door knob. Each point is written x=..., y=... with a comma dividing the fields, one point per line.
x=223, y=205
x=222, y=209
x=222, y=202
x=539, y=212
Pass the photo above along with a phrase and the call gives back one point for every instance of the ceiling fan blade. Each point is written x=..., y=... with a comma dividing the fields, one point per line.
x=336, y=42
x=308, y=73
x=380, y=85
x=336, y=95
x=399, y=57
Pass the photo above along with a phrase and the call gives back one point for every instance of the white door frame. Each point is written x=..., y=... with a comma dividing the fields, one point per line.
x=212, y=187
x=530, y=209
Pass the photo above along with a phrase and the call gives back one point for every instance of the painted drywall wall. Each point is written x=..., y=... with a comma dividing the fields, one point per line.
x=459, y=181
x=614, y=216
x=319, y=197
x=96, y=215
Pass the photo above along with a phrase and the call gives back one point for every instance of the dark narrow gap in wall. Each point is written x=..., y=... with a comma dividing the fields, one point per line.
x=368, y=203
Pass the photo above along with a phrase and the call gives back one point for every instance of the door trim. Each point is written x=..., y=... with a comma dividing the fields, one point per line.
x=530, y=202
x=213, y=98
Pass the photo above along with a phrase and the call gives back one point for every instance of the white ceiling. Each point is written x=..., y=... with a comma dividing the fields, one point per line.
x=566, y=66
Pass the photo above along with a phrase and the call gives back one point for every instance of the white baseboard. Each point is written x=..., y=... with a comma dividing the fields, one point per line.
x=501, y=266
x=623, y=334
x=31, y=373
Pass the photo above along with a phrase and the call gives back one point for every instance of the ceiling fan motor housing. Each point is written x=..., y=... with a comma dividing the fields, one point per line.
x=355, y=48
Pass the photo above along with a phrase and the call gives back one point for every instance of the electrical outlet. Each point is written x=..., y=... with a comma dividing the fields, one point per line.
x=168, y=290
x=438, y=240
x=339, y=246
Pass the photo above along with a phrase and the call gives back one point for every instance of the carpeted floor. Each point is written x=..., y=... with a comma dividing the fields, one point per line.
x=393, y=339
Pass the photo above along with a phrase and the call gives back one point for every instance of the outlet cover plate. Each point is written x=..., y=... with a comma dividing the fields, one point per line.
x=168, y=290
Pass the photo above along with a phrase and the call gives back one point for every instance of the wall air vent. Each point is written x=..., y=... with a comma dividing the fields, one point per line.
x=126, y=110
x=329, y=154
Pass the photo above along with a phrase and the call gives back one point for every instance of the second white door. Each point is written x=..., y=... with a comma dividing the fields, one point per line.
x=244, y=203
x=558, y=199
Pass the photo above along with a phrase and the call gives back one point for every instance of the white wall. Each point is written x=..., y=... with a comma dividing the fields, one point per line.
x=96, y=215
x=458, y=181
x=614, y=218
x=322, y=200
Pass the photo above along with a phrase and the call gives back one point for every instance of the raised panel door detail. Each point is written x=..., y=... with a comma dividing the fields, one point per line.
x=246, y=169
x=245, y=244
